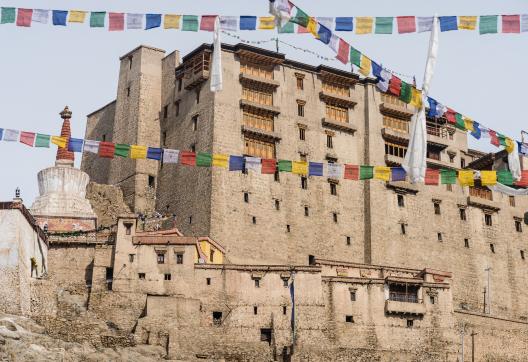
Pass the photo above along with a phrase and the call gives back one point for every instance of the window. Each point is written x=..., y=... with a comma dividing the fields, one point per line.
x=522, y=254
x=257, y=283
x=277, y=205
x=518, y=226
x=353, y=295
x=403, y=229
x=265, y=335
x=401, y=201
x=190, y=219
x=463, y=216
x=208, y=281
x=179, y=258
x=492, y=248
x=389, y=99
x=433, y=154
x=304, y=183
x=257, y=96
x=284, y=309
x=439, y=236
x=333, y=189
x=128, y=91
x=180, y=81
x=395, y=150
x=141, y=276
x=258, y=70
x=348, y=240
x=302, y=156
x=488, y=220
x=151, y=181
x=407, y=293
x=263, y=121
x=300, y=108
x=395, y=124
x=466, y=243
x=336, y=88
x=197, y=96
x=329, y=141
x=212, y=252
x=337, y=113
x=130, y=57
x=164, y=138
x=451, y=158
x=167, y=276
x=311, y=260
x=246, y=197
x=349, y=319
x=254, y=220
x=160, y=258
x=109, y=278
x=193, y=147
x=410, y=323
x=285, y=282
x=259, y=148
x=131, y=257
x=276, y=176
x=217, y=318
x=177, y=108
x=462, y=163
x=432, y=299
x=255, y=310
x=288, y=229
x=302, y=133
x=437, y=208
x=512, y=201
x=300, y=81
x=306, y=211
x=449, y=187
x=195, y=123
x=104, y=137
x=128, y=228
x=165, y=112
x=334, y=217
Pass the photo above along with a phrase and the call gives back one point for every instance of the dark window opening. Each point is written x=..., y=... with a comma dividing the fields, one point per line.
x=302, y=134
x=334, y=217
x=164, y=138
x=131, y=257
x=466, y=243
x=304, y=183
x=193, y=147
x=300, y=109
x=403, y=293
x=217, y=318
x=401, y=201
x=518, y=226
x=463, y=216
x=128, y=228
x=151, y=181
x=276, y=176
x=288, y=229
x=257, y=283
x=329, y=141
x=255, y=310
x=128, y=91
x=449, y=187
x=403, y=229
x=277, y=205
x=109, y=278
x=179, y=258
x=104, y=138
x=285, y=282
x=432, y=299
x=190, y=219
x=246, y=197
x=492, y=248
x=180, y=81
x=439, y=236
x=212, y=252
x=522, y=254
x=488, y=220
x=177, y=108
x=265, y=335
x=306, y=211
x=348, y=240
x=349, y=319
x=165, y=112
x=208, y=281
x=311, y=260
x=512, y=201
x=437, y=208
x=333, y=189
x=410, y=323
x=160, y=257
x=141, y=276
x=168, y=276
x=353, y=295
x=284, y=310
x=451, y=159
x=197, y=96
x=300, y=83
x=130, y=61
x=254, y=220
x=462, y=163
x=195, y=123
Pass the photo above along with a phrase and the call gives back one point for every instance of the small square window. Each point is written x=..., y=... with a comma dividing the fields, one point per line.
x=255, y=310
x=349, y=319
x=304, y=183
x=254, y=220
x=265, y=335
x=353, y=295
x=334, y=217
x=437, y=208
x=217, y=318
x=403, y=229
x=311, y=260
x=466, y=243
x=246, y=197
x=463, y=216
x=329, y=141
x=285, y=282
x=348, y=240
x=306, y=211
x=410, y=323
x=167, y=277
x=522, y=254
x=518, y=226
x=288, y=229
x=257, y=282
x=439, y=236
x=131, y=257
x=488, y=220
x=161, y=258
x=179, y=258
x=333, y=189
x=512, y=201
x=208, y=281
x=432, y=299
x=141, y=276
x=300, y=108
x=302, y=134
x=128, y=228
x=277, y=205
x=401, y=201
x=492, y=248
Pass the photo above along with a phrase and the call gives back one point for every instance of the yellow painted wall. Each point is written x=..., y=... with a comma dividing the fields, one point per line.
x=218, y=257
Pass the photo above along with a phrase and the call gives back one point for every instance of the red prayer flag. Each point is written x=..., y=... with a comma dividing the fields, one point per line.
x=106, y=149
x=302, y=29
x=343, y=52
x=207, y=22
x=406, y=24
x=269, y=166
x=27, y=138
x=494, y=139
x=450, y=116
x=395, y=85
x=432, y=177
x=24, y=17
x=511, y=24
x=523, y=182
x=188, y=158
x=351, y=172
x=116, y=21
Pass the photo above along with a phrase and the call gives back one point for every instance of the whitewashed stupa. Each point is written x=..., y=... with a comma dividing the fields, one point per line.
x=62, y=204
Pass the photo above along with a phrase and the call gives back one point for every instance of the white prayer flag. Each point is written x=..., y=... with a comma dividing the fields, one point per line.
x=170, y=156
x=424, y=23
x=514, y=162
x=334, y=43
x=11, y=135
x=334, y=170
x=484, y=132
x=253, y=164
x=229, y=23
x=135, y=21
x=91, y=146
x=523, y=148
x=40, y=16
x=440, y=109
x=524, y=23
x=216, y=72
x=415, y=162
x=327, y=22
x=281, y=10
x=383, y=83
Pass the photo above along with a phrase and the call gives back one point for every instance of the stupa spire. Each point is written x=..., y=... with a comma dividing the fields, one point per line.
x=65, y=157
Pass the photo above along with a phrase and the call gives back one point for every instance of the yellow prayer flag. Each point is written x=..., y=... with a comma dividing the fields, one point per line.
x=220, y=160
x=300, y=167
x=266, y=22
x=416, y=98
x=488, y=178
x=466, y=178
x=510, y=145
x=77, y=16
x=468, y=123
x=364, y=25
x=467, y=22
x=171, y=21
x=59, y=141
x=366, y=65
x=138, y=151
x=312, y=27
x=382, y=173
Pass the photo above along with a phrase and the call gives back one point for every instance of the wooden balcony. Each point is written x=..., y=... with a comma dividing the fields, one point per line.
x=254, y=81
x=404, y=307
x=337, y=99
x=338, y=125
x=196, y=69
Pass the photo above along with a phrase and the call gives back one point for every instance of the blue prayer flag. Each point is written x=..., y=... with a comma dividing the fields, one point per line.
x=523, y=148
x=344, y=24
x=476, y=133
x=75, y=145
x=398, y=174
x=59, y=17
x=376, y=69
x=153, y=21
x=1, y=133
x=315, y=169
x=248, y=22
x=236, y=163
x=324, y=34
x=154, y=153
x=448, y=23
x=432, y=107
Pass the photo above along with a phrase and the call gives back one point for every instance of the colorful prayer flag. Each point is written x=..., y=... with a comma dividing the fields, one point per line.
x=172, y=156
x=24, y=17
x=510, y=145
x=121, y=150
x=355, y=56
x=405, y=92
x=190, y=23
x=476, y=130
x=207, y=22
x=134, y=21
x=523, y=182
x=416, y=98
x=395, y=85
x=253, y=164
x=312, y=27
x=106, y=149
x=406, y=24
x=511, y=24
x=268, y=166
x=187, y=158
x=138, y=152
x=289, y=28
x=220, y=160
x=494, y=139
x=505, y=177
x=524, y=23
x=425, y=23
x=488, y=178
x=468, y=123
x=351, y=172
x=466, y=178
x=248, y=22
x=344, y=24
x=324, y=34
x=59, y=141
x=366, y=172
x=153, y=153
x=42, y=140
x=300, y=18
x=467, y=22
x=398, y=174
x=153, y=21
x=450, y=116
x=8, y=15
x=343, y=52
x=315, y=169
x=59, y=17
x=334, y=170
x=285, y=166
x=77, y=16
x=27, y=138
x=171, y=21
x=204, y=159
x=97, y=19
x=300, y=167
x=266, y=22
x=382, y=173
x=91, y=146
x=116, y=21
x=383, y=25
x=75, y=144
x=364, y=25
x=230, y=23
x=459, y=122
x=366, y=65
x=448, y=23
x=236, y=163
x=11, y=135
x=432, y=177
x=448, y=177
x=40, y=16
x=488, y=24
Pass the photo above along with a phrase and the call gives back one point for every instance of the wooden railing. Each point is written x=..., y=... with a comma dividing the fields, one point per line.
x=481, y=193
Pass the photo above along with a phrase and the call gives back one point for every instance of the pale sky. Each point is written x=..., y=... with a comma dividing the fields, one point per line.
x=45, y=67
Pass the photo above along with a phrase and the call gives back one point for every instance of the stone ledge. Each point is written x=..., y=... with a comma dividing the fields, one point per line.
x=260, y=133
x=348, y=102
x=258, y=81
x=259, y=107
x=482, y=203
x=395, y=307
x=340, y=126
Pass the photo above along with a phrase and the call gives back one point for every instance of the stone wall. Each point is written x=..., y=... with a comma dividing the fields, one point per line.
x=107, y=202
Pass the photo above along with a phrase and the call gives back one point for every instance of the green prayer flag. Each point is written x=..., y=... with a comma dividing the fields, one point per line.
x=448, y=177
x=366, y=172
x=204, y=159
x=505, y=177
x=502, y=139
x=288, y=28
x=42, y=140
x=300, y=18
x=384, y=25
x=488, y=24
x=97, y=19
x=355, y=56
x=8, y=15
x=406, y=92
x=190, y=23
x=460, y=124
x=285, y=166
x=121, y=150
